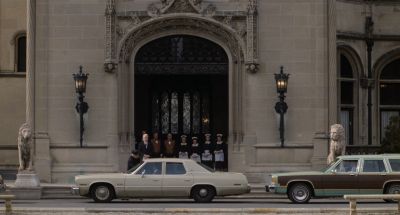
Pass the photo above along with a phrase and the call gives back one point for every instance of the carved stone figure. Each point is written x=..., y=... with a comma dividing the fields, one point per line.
x=24, y=147
x=337, y=143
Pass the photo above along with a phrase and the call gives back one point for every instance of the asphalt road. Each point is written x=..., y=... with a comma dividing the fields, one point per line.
x=187, y=203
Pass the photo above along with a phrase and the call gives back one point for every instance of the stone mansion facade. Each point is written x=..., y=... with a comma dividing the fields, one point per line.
x=194, y=67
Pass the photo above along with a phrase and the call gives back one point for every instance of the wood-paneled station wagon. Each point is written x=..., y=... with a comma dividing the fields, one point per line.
x=350, y=174
x=161, y=178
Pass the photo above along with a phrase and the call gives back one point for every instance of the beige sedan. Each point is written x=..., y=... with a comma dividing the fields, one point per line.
x=162, y=177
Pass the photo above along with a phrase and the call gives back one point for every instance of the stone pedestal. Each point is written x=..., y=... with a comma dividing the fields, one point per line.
x=321, y=147
x=27, y=186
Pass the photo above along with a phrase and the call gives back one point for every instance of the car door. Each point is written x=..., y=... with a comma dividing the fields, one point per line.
x=372, y=176
x=342, y=179
x=177, y=180
x=145, y=182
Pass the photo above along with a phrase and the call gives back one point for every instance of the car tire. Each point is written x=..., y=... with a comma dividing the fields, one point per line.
x=299, y=193
x=102, y=193
x=392, y=189
x=203, y=194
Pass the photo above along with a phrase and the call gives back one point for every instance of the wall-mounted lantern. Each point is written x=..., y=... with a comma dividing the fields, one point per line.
x=281, y=106
x=81, y=107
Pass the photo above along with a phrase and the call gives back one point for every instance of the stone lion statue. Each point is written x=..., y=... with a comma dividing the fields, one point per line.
x=337, y=143
x=24, y=147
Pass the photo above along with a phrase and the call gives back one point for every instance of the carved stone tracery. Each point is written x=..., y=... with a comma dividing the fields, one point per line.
x=238, y=27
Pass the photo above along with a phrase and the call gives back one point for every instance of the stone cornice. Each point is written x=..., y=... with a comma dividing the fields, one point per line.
x=362, y=36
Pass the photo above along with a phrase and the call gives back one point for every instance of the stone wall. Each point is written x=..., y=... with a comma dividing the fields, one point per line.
x=12, y=83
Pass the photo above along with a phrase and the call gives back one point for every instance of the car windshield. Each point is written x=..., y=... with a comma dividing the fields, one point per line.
x=329, y=166
x=206, y=167
x=134, y=168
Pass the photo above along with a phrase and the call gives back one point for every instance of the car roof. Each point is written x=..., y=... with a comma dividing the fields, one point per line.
x=370, y=156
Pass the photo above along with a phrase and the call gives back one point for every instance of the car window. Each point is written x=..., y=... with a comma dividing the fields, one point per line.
x=150, y=168
x=175, y=169
x=347, y=166
x=374, y=166
x=395, y=164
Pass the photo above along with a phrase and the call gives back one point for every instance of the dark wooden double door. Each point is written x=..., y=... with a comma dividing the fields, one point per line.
x=181, y=104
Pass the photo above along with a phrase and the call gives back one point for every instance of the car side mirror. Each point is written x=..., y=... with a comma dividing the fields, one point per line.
x=144, y=172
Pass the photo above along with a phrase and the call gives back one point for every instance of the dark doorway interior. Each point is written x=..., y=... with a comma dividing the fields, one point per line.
x=181, y=87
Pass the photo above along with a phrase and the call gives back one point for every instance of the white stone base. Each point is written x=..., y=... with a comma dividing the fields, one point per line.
x=27, y=186
x=27, y=180
x=26, y=193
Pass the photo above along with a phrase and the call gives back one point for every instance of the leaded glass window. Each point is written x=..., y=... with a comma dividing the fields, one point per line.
x=346, y=85
x=196, y=113
x=174, y=113
x=165, y=113
x=389, y=96
x=185, y=112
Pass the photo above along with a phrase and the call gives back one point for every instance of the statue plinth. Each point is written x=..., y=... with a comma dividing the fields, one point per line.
x=27, y=186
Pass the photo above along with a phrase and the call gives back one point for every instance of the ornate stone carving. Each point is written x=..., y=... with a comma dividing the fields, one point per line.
x=24, y=148
x=111, y=40
x=252, y=49
x=242, y=22
x=337, y=143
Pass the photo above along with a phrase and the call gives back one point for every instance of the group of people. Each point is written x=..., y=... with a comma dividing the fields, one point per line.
x=207, y=152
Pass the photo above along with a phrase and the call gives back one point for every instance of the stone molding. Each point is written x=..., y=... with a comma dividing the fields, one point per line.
x=121, y=26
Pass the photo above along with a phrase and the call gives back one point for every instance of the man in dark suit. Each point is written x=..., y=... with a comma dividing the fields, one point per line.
x=145, y=149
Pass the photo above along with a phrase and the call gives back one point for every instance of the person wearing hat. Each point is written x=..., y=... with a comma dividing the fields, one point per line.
x=219, y=153
x=134, y=159
x=183, y=148
x=195, y=150
x=169, y=147
x=207, y=156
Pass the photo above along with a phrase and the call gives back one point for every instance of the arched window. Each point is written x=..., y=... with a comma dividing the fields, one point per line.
x=347, y=95
x=20, y=53
x=389, y=94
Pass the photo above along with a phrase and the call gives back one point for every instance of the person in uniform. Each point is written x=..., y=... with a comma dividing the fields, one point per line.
x=134, y=159
x=156, y=145
x=145, y=150
x=219, y=153
x=195, y=150
x=206, y=156
x=183, y=148
x=169, y=147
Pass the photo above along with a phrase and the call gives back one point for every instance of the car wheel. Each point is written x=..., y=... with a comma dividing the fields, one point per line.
x=102, y=193
x=392, y=189
x=203, y=194
x=299, y=193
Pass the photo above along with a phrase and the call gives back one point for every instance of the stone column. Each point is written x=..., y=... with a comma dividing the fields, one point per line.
x=27, y=185
x=30, y=64
x=332, y=70
x=321, y=139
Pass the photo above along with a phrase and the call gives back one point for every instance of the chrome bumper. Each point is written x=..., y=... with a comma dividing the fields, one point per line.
x=75, y=191
x=270, y=188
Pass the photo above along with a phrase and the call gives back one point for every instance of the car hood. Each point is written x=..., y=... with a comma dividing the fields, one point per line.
x=298, y=173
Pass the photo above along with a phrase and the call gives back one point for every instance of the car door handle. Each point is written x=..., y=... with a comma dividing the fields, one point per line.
x=156, y=179
x=188, y=180
x=353, y=174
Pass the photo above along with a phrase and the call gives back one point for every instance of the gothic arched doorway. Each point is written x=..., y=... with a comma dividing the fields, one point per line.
x=181, y=87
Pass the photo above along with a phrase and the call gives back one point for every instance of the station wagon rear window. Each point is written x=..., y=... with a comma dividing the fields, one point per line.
x=395, y=164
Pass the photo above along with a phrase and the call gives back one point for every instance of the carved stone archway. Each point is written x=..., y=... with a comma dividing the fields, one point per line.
x=127, y=31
